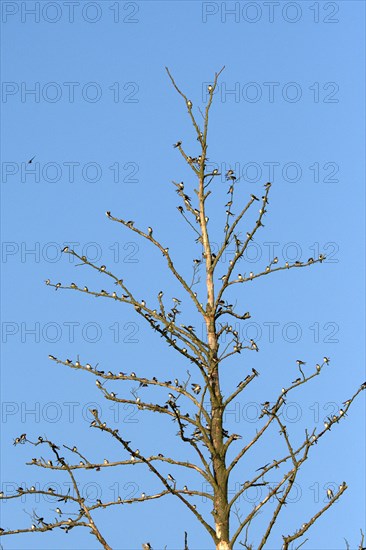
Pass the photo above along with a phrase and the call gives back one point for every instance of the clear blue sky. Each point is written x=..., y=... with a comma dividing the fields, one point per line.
x=101, y=123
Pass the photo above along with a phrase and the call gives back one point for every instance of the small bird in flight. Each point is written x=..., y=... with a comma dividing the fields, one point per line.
x=31, y=160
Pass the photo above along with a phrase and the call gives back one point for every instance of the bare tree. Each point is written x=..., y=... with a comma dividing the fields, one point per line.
x=202, y=428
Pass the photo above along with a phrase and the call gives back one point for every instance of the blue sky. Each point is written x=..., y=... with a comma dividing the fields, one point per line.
x=101, y=122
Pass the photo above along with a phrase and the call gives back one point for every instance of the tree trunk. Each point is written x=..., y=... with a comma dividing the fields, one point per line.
x=221, y=511
x=218, y=458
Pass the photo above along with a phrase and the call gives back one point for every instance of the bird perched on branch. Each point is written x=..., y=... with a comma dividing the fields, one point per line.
x=230, y=175
x=254, y=345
